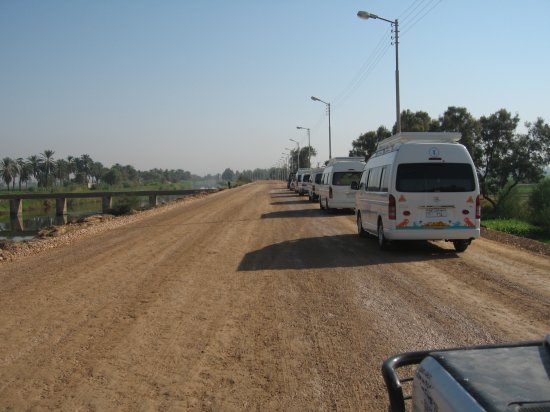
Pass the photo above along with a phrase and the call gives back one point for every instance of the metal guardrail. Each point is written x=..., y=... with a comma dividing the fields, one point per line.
x=16, y=205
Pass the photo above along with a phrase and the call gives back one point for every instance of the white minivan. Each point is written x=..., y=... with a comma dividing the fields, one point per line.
x=334, y=190
x=419, y=186
x=301, y=176
x=315, y=180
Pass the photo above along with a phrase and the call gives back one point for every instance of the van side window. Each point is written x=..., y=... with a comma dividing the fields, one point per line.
x=363, y=180
x=373, y=183
x=345, y=178
x=384, y=179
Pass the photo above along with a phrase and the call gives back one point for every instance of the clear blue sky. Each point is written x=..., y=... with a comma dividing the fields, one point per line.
x=205, y=85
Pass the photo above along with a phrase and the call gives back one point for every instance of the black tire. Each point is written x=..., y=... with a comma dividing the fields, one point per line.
x=461, y=245
x=327, y=207
x=382, y=242
x=360, y=231
x=321, y=203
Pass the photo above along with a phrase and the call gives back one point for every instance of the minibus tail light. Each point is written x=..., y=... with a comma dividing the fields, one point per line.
x=330, y=192
x=391, y=208
x=478, y=208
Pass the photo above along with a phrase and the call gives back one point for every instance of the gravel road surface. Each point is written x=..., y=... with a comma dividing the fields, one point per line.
x=247, y=299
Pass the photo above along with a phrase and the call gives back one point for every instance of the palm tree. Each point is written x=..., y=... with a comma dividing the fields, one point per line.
x=21, y=171
x=61, y=171
x=97, y=171
x=47, y=164
x=7, y=170
x=86, y=163
x=25, y=174
x=71, y=162
x=14, y=173
x=34, y=166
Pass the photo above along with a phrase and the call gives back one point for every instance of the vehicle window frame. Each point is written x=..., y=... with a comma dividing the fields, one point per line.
x=425, y=182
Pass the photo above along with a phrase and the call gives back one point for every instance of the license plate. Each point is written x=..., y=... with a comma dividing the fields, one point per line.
x=436, y=213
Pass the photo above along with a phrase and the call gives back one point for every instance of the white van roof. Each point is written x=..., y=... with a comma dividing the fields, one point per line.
x=335, y=160
x=393, y=142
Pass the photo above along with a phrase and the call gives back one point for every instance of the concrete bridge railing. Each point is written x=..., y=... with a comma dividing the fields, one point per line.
x=16, y=200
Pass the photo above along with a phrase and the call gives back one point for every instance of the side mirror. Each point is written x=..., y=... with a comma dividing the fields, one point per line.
x=354, y=185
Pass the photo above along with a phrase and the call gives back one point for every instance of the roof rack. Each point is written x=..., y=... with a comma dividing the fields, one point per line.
x=391, y=143
x=345, y=159
x=419, y=137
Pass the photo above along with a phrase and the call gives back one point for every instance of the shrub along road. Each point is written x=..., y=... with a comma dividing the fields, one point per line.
x=251, y=298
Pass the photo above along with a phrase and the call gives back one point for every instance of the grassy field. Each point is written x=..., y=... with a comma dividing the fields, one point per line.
x=518, y=228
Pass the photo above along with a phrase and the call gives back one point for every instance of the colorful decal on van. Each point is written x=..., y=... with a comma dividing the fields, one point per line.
x=469, y=222
x=419, y=225
x=436, y=225
x=404, y=223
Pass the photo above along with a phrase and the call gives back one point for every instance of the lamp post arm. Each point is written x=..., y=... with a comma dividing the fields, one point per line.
x=382, y=18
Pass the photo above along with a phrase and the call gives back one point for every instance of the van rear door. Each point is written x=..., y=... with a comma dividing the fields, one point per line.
x=436, y=196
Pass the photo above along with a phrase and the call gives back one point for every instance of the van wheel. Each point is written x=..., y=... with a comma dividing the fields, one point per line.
x=461, y=245
x=329, y=209
x=321, y=203
x=382, y=242
x=360, y=231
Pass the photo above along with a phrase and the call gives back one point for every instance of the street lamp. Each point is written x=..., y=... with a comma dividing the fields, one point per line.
x=316, y=99
x=285, y=161
x=288, y=158
x=308, y=143
x=298, y=160
x=395, y=26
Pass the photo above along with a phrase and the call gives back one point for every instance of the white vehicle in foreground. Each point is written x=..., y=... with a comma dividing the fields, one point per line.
x=419, y=186
x=334, y=190
x=511, y=377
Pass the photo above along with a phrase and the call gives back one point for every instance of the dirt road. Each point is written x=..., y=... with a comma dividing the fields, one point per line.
x=248, y=299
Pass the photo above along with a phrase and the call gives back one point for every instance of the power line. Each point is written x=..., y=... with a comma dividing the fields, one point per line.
x=408, y=27
x=411, y=9
x=417, y=11
x=364, y=71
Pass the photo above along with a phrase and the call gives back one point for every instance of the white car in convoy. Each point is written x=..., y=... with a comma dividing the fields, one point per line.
x=315, y=181
x=301, y=176
x=334, y=190
x=419, y=186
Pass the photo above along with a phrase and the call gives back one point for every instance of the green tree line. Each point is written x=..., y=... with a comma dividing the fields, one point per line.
x=47, y=172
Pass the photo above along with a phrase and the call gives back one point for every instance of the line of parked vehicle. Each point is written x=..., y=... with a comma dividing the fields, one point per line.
x=416, y=186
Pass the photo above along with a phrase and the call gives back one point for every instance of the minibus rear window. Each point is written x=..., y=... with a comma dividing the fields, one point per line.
x=345, y=178
x=435, y=177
